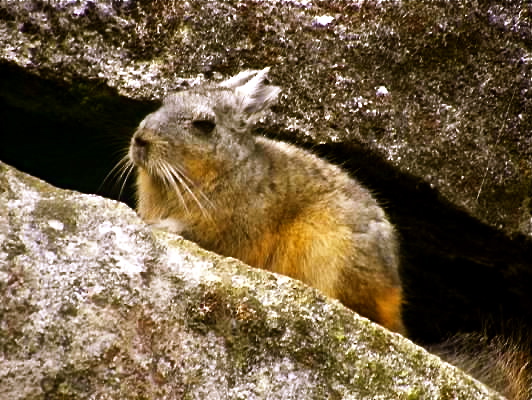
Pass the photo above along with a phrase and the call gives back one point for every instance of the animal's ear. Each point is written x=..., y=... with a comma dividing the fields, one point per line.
x=239, y=79
x=252, y=90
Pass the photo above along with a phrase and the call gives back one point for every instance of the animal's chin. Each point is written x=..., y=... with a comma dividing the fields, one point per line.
x=151, y=178
x=143, y=167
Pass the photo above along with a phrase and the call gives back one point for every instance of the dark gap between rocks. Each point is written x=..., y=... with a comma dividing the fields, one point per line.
x=459, y=274
x=68, y=135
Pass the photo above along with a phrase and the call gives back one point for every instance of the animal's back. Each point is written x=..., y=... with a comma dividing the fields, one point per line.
x=334, y=235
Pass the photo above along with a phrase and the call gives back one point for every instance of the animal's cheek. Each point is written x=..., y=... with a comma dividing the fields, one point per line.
x=201, y=169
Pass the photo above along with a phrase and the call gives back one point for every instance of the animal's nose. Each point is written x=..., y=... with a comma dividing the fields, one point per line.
x=139, y=142
x=138, y=151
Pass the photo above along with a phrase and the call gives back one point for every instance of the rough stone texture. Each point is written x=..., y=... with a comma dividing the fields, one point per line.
x=93, y=305
x=427, y=103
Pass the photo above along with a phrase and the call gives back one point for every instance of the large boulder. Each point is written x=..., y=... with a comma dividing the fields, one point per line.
x=93, y=305
x=428, y=103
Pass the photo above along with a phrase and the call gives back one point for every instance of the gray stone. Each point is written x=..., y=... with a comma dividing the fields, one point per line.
x=94, y=305
x=438, y=92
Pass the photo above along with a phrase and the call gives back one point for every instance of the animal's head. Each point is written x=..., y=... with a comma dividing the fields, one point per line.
x=200, y=130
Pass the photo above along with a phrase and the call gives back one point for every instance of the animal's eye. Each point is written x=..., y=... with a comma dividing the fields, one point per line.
x=204, y=126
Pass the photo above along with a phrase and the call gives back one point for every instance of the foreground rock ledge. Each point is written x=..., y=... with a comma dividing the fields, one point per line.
x=94, y=305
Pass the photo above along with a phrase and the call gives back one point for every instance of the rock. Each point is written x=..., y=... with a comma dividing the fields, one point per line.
x=95, y=305
x=427, y=103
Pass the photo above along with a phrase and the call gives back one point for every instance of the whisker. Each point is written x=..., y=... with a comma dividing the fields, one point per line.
x=118, y=170
x=181, y=179
x=182, y=174
x=129, y=167
x=191, y=182
x=170, y=182
x=118, y=166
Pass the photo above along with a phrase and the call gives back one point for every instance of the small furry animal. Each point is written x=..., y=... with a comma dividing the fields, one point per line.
x=203, y=174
